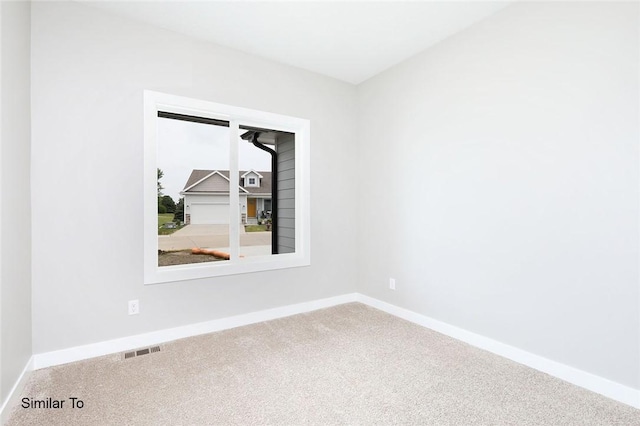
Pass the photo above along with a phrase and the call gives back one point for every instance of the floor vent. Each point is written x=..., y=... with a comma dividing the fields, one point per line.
x=141, y=352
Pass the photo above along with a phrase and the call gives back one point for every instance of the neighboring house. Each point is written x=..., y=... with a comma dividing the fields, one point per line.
x=206, y=196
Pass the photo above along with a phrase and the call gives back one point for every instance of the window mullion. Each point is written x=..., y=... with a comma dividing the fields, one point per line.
x=234, y=196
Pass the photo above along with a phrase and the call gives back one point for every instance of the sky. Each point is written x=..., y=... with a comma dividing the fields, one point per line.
x=184, y=146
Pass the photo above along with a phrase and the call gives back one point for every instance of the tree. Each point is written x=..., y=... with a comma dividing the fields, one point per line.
x=168, y=203
x=179, y=214
x=161, y=208
x=160, y=187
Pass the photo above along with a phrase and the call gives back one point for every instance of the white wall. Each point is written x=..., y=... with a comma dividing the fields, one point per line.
x=89, y=71
x=15, y=202
x=504, y=167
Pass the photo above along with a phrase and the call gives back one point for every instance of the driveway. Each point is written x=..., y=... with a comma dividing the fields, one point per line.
x=213, y=236
x=195, y=230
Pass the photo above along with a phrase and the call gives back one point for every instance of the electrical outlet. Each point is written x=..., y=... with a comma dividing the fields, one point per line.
x=134, y=307
x=392, y=283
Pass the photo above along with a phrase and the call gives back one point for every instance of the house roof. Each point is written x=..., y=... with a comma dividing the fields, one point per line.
x=199, y=175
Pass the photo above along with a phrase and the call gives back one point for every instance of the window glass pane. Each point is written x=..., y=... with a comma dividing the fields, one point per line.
x=193, y=192
x=267, y=175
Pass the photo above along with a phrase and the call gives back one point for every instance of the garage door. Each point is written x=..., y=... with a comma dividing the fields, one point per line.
x=209, y=214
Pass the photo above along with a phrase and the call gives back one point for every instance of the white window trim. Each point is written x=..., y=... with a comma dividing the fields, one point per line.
x=154, y=102
x=252, y=171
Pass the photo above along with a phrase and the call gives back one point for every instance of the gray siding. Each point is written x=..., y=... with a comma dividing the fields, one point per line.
x=285, y=147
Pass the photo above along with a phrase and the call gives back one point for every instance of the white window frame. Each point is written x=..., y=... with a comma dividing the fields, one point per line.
x=155, y=102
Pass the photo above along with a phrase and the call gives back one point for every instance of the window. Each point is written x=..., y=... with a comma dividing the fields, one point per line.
x=199, y=219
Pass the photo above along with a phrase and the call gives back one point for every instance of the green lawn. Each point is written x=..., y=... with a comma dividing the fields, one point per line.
x=255, y=228
x=166, y=218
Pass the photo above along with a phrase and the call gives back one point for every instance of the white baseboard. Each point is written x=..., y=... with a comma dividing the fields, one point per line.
x=15, y=392
x=567, y=373
x=78, y=353
x=581, y=378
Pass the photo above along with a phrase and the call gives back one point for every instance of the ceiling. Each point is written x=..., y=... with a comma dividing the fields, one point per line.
x=351, y=41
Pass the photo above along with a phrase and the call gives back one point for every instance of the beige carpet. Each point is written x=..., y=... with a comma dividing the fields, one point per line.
x=349, y=364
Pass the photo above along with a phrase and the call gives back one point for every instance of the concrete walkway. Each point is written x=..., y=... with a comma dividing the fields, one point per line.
x=195, y=230
x=212, y=236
